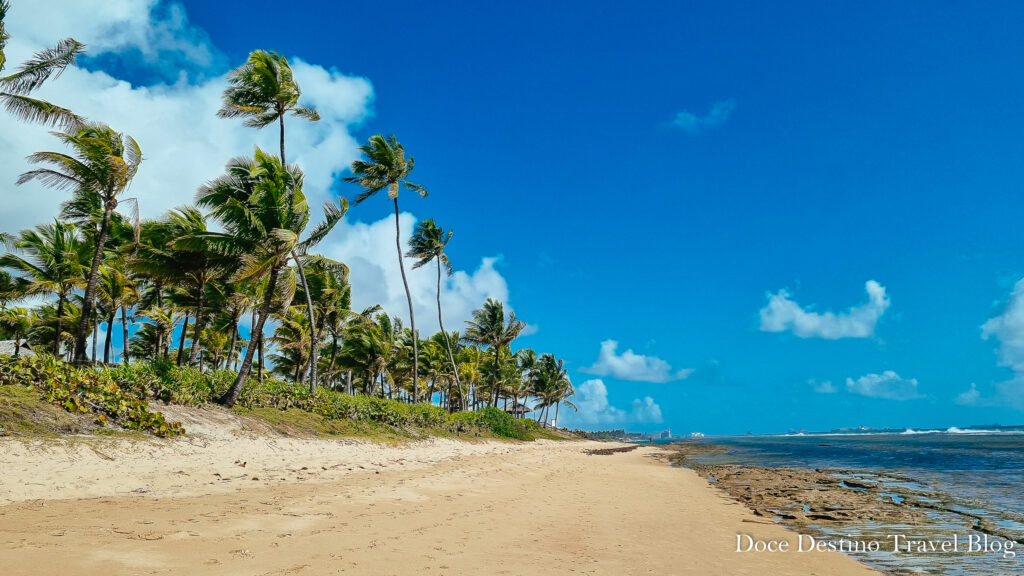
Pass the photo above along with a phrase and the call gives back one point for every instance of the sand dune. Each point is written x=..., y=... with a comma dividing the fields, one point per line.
x=312, y=506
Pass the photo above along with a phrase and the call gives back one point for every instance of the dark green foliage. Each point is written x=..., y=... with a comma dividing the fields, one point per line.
x=107, y=394
x=496, y=422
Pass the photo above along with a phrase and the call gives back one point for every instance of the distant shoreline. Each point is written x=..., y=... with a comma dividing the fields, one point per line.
x=862, y=507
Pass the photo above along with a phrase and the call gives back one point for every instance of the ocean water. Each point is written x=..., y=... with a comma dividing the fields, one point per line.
x=983, y=472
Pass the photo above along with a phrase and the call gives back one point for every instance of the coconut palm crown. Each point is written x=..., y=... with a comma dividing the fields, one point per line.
x=264, y=91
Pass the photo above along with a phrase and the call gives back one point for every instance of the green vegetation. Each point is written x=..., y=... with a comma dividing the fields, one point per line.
x=118, y=395
x=100, y=393
x=183, y=286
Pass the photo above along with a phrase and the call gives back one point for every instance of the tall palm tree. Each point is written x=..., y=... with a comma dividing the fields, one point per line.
x=427, y=243
x=264, y=91
x=16, y=88
x=263, y=210
x=103, y=164
x=53, y=264
x=387, y=168
x=489, y=328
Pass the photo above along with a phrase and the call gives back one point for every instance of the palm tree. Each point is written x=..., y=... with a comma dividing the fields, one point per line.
x=16, y=88
x=17, y=321
x=428, y=243
x=264, y=91
x=53, y=264
x=263, y=210
x=292, y=344
x=489, y=328
x=116, y=291
x=386, y=167
x=103, y=164
x=197, y=262
x=375, y=349
x=551, y=385
x=12, y=288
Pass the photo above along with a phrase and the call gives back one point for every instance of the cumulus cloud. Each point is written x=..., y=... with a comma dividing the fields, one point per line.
x=632, y=366
x=369, y=251
x=1007, y=329
x=594, y=408
x=783, y=314
x=970, y=397
x=694, y=124
x=886, y=385
x=823, y=387
x=183, y=142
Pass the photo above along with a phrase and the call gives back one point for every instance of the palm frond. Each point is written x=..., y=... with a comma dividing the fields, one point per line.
x=39, y=111
x=43, y=65
x=332, y=215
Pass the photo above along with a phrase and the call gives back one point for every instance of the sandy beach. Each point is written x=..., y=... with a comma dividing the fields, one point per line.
x=228, y=499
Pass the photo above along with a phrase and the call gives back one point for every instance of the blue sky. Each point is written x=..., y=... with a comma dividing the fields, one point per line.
x=651, y=176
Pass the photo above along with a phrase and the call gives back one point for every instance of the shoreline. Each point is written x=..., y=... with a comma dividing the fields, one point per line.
x=874, y=515
x=438, y=507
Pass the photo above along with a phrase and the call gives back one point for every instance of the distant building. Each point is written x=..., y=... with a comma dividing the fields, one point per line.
x=696, y=435
x=667, y=434
x=7, y=348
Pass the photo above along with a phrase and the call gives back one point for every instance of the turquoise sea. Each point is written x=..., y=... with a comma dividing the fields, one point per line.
x=982, y=471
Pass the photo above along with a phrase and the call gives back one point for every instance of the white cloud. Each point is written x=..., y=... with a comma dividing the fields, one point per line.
x=632, y=366
x=823, y=387
x=369, y=251
x=886, y=385
x=969, y=397
x=783, y=314
x=594, y=409
x=1007, y=329
x=183, y=142
x=720, y=112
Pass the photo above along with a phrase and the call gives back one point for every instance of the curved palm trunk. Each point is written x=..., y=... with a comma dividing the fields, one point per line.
x=313, y=345
x=125, y=350
x=196, y=334
x=60, y=324
x=412, y=316
x=280, y=118
x=108, y=341
x=557, y=406
x=231, y=396
x=494, y=377
x=447, y=341
x=181, y=341
x=90, y=289
x=95, y=334
x=234, y=340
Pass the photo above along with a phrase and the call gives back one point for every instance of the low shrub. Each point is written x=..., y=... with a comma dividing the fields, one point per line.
x=112, y=396
x=495, y=421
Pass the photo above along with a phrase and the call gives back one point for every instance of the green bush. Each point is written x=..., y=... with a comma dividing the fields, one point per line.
x=111, y=395
x=495, y=421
